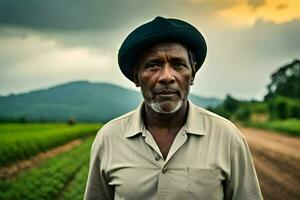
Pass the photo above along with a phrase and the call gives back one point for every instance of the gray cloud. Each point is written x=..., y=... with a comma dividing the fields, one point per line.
x=69, y=14
x=78, y=14
x=93, y=23
x=97, y=14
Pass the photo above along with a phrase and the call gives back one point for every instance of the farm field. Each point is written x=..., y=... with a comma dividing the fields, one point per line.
x=62, y=175
x=20, y=141
x=61, y=172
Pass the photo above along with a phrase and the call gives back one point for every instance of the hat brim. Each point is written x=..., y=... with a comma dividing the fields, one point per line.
x=189, y=37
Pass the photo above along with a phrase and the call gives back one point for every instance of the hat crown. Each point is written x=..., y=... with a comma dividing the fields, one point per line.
x=160, y=29
x=158, y=24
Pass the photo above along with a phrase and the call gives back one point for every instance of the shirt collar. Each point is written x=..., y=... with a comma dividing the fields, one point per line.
x=194, y=123
x=135, y=123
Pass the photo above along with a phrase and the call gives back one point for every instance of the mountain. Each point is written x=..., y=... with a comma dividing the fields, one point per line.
x=82, y=100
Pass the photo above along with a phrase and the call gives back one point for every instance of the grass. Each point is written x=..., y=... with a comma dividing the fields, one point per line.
x=49, y=180
x=76, y=188
x=289, y=126
x=21, y=141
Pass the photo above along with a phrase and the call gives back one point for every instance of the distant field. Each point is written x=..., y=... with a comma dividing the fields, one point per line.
x=290, y=126
x=21, y=141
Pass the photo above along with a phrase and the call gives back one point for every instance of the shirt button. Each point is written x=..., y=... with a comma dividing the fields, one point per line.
x=157, y=157
x=164, y=170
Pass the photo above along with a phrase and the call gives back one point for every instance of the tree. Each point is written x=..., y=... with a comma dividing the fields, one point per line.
x=285, y=82
x=281, y=107
x=231, y=104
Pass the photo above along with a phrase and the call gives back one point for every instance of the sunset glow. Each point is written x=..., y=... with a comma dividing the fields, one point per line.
x=276, y=11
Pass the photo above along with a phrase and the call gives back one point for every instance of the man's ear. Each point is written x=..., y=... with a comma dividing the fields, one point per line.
x=193, y=73
x=192, y=81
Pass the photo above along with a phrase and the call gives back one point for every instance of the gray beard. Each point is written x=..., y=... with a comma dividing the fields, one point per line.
x=157, y=107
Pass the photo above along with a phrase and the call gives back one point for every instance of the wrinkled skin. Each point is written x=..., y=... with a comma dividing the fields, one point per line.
x=164, y=73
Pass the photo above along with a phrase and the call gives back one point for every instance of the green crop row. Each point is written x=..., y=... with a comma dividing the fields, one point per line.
x=50, y=180
x=75, y=189
x=21, y=141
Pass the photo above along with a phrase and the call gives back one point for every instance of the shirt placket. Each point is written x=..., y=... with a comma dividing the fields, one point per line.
x=163, y=187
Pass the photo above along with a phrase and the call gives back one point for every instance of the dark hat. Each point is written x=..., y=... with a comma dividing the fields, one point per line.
x=158, y=30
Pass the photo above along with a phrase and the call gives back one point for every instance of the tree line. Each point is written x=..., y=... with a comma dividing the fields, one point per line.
x=281, y=102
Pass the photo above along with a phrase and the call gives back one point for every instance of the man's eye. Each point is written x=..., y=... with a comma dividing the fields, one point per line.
x=152, y=65
x=178, y=65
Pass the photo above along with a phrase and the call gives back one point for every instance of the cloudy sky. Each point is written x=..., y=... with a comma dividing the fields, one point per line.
x=46, y=43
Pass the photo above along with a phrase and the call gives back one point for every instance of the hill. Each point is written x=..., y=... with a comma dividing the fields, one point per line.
x=82, y=100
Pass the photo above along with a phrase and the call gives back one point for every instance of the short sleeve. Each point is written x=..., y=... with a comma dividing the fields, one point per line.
x=243, y=183
x=97, y=186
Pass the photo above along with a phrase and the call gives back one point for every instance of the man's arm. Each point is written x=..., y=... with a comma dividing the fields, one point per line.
x=243, y=183
x=97, y=186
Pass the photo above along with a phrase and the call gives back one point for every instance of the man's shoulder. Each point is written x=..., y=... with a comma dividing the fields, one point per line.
x=218, y=124
x=213, y=117
x=117, y=126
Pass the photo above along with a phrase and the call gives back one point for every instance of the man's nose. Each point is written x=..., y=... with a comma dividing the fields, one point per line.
x=167, y=74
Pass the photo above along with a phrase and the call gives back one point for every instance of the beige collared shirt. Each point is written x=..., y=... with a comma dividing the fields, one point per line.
x=209, y=159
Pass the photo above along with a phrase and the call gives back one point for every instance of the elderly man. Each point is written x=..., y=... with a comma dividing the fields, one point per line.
x=168, y=148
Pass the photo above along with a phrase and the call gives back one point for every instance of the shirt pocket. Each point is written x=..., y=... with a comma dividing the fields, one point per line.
x=204, y=184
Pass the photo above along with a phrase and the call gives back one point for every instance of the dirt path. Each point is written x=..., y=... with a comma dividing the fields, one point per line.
x=18, y=167
x=277, y=161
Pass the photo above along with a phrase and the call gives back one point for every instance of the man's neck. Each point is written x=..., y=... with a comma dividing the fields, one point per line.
x=169, y=121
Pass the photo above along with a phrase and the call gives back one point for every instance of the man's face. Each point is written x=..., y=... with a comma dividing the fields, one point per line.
x=164, y=73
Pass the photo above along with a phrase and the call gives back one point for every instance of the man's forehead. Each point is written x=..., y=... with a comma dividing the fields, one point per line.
x=163, y=47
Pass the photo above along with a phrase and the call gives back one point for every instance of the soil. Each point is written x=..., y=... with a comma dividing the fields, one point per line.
x=277, y=161
x=13, y=170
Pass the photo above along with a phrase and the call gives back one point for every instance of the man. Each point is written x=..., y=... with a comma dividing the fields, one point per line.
x=168, y=148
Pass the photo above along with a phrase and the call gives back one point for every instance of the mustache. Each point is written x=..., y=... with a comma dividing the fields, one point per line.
x=164, y=89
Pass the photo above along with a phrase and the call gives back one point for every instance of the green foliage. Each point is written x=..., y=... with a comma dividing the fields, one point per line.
x=76, y=188
x=230, y=104
x=285, y=82
x=279, y=111
x=48, y=181
x=291, y=126
x=247, y=109
x=227, y=108
x=243, y=113
x=281, y=107
x=295, y=110
x=257, y=107
x=20, y=141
